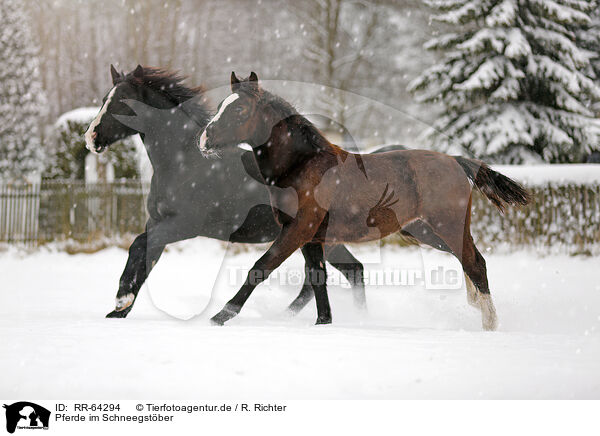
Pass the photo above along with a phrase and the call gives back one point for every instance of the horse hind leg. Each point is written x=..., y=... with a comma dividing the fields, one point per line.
x=352, y=269
x=478, y=293
x=423, y=232
x=471, y=292
x=473, y=263
x=315, y=270
x=340, y=258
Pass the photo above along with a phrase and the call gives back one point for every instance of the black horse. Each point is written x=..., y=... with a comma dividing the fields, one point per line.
x=190, y=195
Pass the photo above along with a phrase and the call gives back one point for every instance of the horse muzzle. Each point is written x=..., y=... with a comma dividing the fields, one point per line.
x=90, y=143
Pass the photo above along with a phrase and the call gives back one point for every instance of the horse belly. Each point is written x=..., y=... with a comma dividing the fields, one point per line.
x=359, y=221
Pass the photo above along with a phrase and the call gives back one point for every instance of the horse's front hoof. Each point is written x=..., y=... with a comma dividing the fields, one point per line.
x=224, y=315
x=123, y=304
x=119, y=313
x=215, y=320
x=323, y=320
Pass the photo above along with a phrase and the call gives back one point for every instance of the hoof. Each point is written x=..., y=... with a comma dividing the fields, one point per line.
x=489, y=319
x=215, y=321
x=360, y=299
x=361, y=307
x=119, y=313
x=224, y=315
x=490, y=325
x=298, y=304
x=293, y=310
x=323, y=320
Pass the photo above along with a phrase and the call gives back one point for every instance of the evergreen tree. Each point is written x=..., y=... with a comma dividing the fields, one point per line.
x=516, y=83
x=21, y=96
x=588, y=37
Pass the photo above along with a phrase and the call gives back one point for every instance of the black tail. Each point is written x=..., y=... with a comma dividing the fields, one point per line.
x=498, y=188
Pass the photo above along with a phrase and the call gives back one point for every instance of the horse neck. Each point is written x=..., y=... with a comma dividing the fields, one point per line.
x=168, y=133
x=287, y=147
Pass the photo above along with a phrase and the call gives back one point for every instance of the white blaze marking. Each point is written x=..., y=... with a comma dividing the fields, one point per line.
x=202, y=143
x=233, y=97
x=89, y=141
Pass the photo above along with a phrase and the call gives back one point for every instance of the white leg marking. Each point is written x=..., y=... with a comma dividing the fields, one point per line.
x=488, y=312
x=484, y=303
x=89, y=141
x=124, y=302
x=471, y=292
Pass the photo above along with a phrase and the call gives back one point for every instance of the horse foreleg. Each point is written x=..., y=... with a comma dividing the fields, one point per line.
x=341, y=259
x=315, y=271
x=289, y=240
x=140, y=262
x=351, y=268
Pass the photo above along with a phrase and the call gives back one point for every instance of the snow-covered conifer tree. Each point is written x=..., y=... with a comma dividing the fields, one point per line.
x=21, y=96
x=588, y=37
x=515, y=81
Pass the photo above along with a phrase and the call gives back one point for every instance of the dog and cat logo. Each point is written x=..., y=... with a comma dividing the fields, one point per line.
x=26, y=415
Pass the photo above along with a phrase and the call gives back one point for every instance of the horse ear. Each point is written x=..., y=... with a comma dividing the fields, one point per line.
x=138, y=73
x=114, y=74
x=234, y=81
x=253, y=77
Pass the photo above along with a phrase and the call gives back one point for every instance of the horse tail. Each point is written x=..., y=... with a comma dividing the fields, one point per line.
x=498, y=188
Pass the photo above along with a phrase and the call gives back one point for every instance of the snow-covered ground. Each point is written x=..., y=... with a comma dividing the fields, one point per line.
x=414, y=342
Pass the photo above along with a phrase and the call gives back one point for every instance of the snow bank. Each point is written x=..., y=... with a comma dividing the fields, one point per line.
x=81, y=115
x=535, y=175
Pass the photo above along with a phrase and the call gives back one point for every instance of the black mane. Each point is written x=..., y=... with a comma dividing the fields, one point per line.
x=170, y=83
x=294, y=119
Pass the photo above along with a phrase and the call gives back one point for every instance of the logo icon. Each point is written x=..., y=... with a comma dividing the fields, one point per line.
x=26, y=415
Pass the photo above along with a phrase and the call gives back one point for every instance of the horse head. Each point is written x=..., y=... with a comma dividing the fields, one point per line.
x=105, y=129
x=128, y=106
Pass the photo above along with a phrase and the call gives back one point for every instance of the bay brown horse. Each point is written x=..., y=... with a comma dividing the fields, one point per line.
x=344, y=197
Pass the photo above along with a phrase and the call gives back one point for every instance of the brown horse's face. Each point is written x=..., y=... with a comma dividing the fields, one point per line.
x=237, y=119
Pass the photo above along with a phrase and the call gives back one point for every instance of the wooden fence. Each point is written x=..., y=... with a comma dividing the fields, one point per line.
x=72, y=210
x=19, y=207
x=562, y=217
